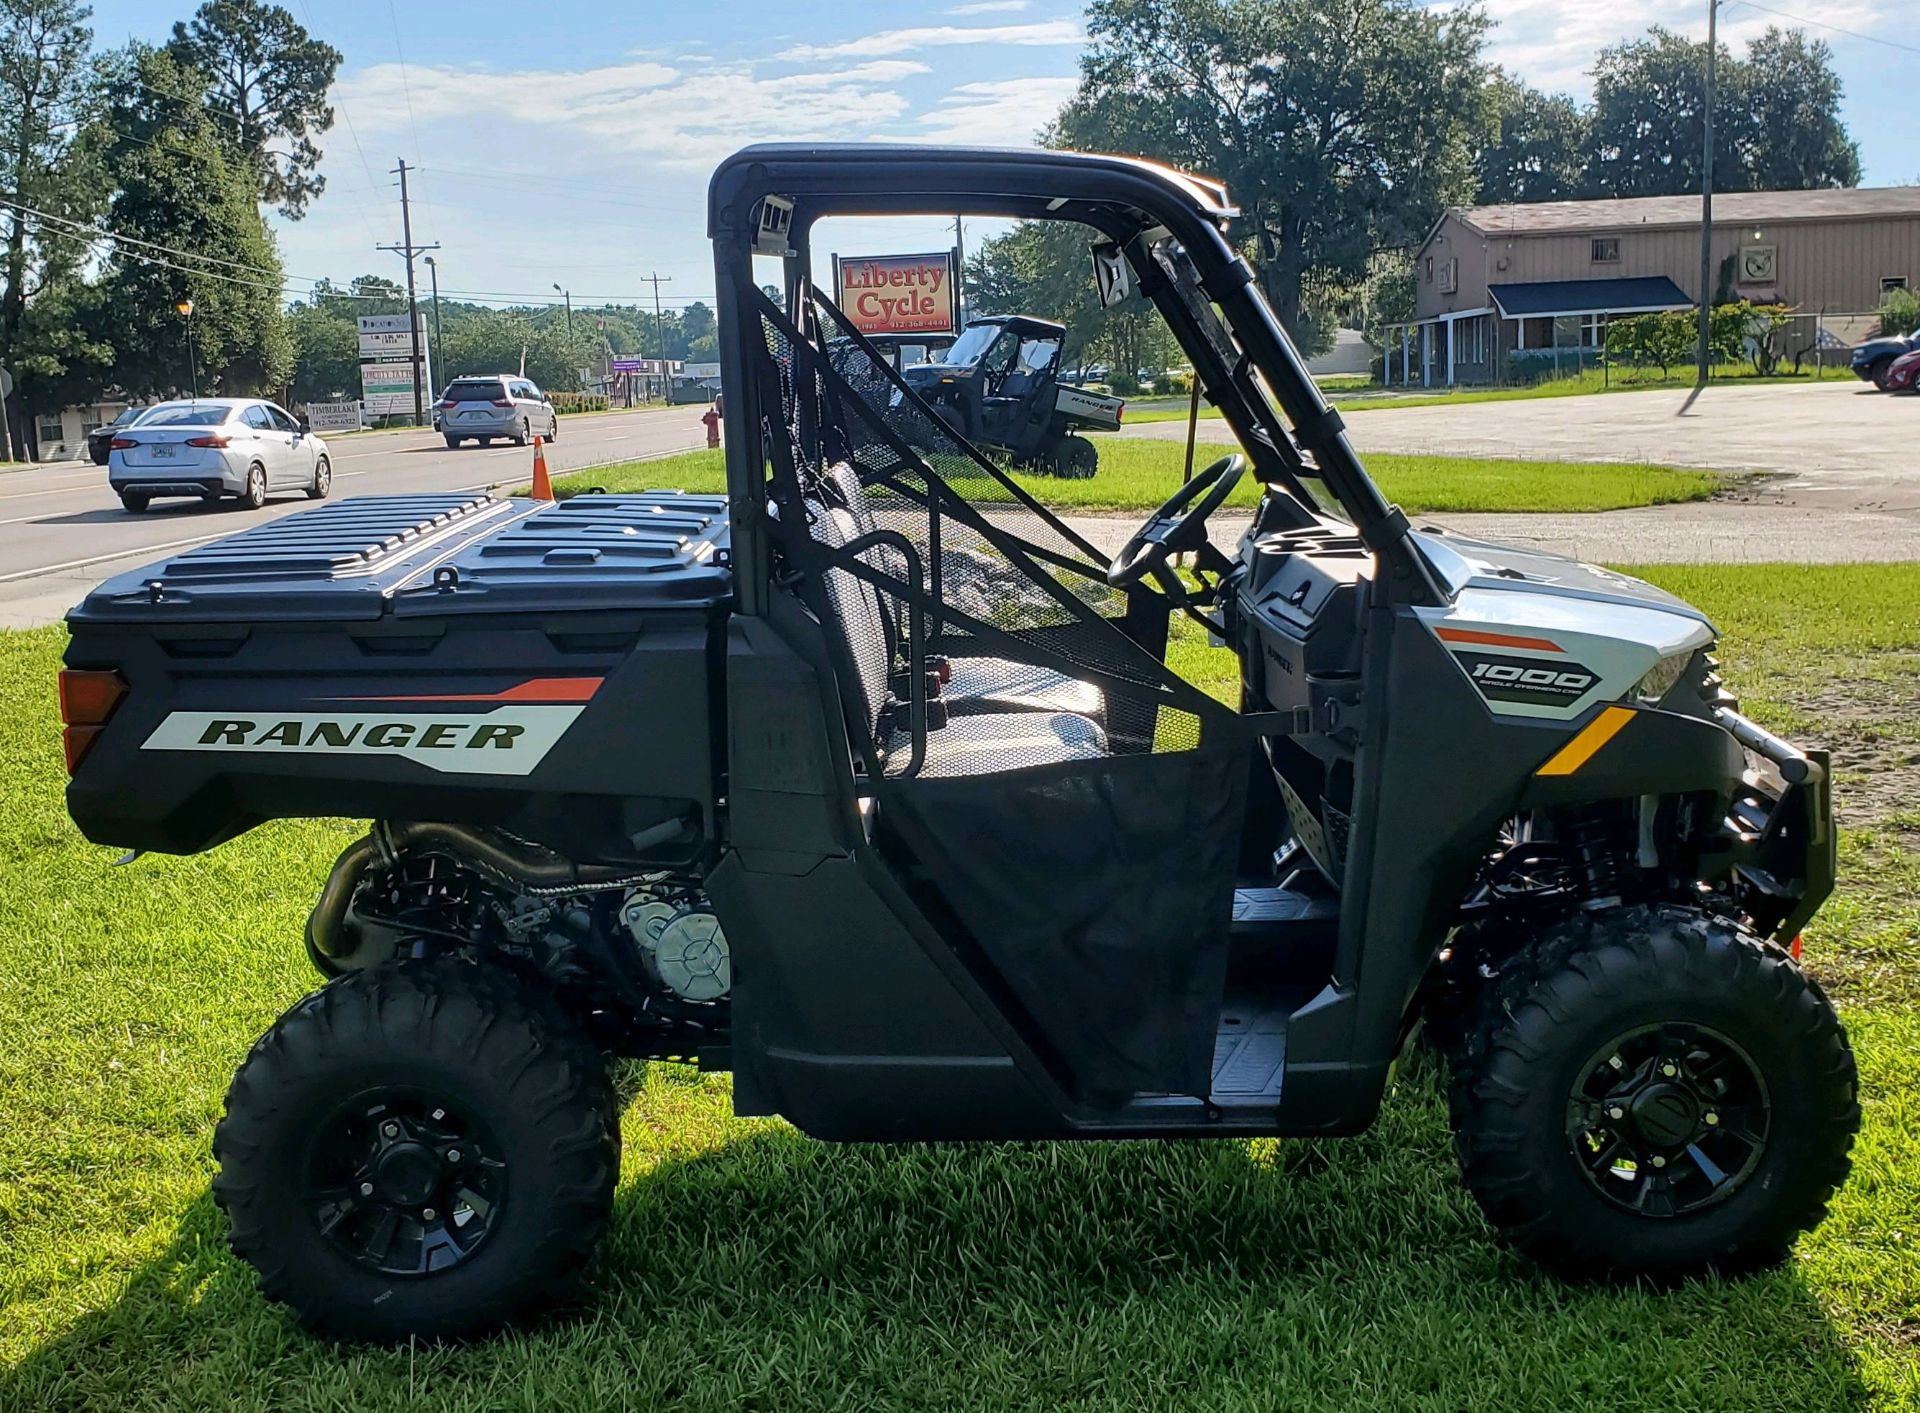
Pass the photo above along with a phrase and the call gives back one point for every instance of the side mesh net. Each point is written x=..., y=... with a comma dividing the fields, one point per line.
x=901, y=525
x=1079, y=809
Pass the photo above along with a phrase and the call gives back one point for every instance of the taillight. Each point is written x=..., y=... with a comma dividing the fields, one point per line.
x=214, y=439
x=449, y=402
x=501, y=402
x=1119, y=412
x=122, y=443
x=87, y=699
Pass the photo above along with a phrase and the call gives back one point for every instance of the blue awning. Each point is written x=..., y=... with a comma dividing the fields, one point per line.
x=1547, y=298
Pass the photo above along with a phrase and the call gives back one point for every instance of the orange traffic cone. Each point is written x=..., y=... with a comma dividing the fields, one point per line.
x=542, y=487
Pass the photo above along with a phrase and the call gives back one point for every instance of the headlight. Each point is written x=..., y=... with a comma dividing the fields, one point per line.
x=1659, y=680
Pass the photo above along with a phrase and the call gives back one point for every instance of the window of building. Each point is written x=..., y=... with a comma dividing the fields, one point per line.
x=50, y=431
x=1606, y=250
x=1889, y=283
x=1474, y=347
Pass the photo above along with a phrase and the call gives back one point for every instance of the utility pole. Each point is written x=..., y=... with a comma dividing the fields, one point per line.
x=567, y=295
x=959, y=275
x=408, y=249
x=660, y=327
x=439, y=344
x=1706, y=197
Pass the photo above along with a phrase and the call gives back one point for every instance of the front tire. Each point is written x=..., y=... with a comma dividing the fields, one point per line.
x=424, y=1149
x=322, y=480
x=1653, y=1091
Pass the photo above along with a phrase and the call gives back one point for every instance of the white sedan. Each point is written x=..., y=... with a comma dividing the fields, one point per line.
x=217, y=446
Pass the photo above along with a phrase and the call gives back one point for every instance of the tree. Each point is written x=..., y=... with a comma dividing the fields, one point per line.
x=268, y=81
x=1776, y=117
x=187, y=226
x=1043, y=268
x=1538, y=149
x=1793, y=138
x=46, y=88
x=1339, y=125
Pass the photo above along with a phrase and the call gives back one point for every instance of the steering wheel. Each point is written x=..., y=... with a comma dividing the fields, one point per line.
x=1178, y=526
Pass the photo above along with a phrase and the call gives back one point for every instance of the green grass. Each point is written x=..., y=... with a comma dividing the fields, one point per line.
x=1138, y=474
x=751, y=1268
x=1367, y=395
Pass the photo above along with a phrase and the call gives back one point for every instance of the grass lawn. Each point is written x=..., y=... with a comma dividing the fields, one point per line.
x=1139, y=474
x=1367, y=395
x=752, y=1268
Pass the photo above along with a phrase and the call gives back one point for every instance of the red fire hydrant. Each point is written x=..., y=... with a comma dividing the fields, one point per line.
x=712, y=419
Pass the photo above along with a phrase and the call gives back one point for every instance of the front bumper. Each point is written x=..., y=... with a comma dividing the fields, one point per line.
x=1785, y=848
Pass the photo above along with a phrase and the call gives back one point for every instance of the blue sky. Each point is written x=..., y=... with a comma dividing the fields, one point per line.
x=565, y=142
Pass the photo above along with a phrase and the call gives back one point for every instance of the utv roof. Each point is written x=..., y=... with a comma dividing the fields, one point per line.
x=1023, y=324
x=882, y=178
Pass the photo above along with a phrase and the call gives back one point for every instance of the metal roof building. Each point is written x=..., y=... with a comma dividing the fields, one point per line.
x=1498, y=286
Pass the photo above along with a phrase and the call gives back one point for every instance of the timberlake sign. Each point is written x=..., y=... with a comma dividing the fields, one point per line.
x=896, y=294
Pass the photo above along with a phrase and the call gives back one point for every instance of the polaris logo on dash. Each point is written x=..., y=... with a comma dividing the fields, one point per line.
x=509, y=740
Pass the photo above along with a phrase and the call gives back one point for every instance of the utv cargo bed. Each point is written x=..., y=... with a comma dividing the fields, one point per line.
x=455, y=657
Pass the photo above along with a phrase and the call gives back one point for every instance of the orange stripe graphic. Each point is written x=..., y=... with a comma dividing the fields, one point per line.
x=1496, y=640
x=1582, y=748
x=535, y=689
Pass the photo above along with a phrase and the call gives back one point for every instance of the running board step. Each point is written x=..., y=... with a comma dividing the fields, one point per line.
x=1249, y=1055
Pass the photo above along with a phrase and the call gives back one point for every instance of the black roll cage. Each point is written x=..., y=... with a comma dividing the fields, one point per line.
x=1126, y=200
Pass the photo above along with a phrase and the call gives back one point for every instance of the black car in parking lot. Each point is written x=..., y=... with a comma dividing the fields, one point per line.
x=1873, y=360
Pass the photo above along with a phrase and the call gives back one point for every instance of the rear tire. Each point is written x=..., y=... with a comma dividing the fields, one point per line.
x=425, y=1149
x=553, y=432
x=136, y=504
x=1076, y=459
x=453, y=443
x=255, y=494
x=525, y=436
x=1653, y=1091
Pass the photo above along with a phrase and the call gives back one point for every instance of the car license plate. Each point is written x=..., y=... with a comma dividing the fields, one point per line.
x=165, y=452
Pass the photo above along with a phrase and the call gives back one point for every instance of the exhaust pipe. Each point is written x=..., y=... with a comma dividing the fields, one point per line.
x=515, y=862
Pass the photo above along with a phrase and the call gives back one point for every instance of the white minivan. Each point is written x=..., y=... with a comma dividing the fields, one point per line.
x=217, y=446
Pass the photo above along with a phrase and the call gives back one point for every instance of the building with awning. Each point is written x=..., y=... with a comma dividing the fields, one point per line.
x=1502, y=291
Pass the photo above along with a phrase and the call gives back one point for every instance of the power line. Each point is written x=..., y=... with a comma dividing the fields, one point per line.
x=1822, y=24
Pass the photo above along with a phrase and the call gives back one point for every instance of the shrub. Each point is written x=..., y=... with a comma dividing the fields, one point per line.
x=579, y=402
x=1534, y=365
x=1899, y=312
x=1177, y=382
x=1123, y=384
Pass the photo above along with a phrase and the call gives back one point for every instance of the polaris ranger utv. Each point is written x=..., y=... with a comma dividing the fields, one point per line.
x=999, y=387
x=872, y=782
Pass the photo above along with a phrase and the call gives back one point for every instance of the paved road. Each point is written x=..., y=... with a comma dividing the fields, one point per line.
x=1830, y=446
x=62, y=530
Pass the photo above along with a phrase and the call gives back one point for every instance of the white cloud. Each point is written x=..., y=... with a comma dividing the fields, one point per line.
x=999, y=113
x=988, y=7
x=674, y=117
x=1552, y=45
x=903, y=41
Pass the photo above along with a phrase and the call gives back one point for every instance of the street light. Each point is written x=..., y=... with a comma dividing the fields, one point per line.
x=567, y=295
x=184, y=308
x=439, y=346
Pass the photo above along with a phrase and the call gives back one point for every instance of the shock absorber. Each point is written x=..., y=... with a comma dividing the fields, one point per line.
x=1593, y=848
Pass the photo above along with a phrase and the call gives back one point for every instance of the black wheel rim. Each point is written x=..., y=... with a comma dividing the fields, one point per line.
x=1668, y=1119
x=403, y=1183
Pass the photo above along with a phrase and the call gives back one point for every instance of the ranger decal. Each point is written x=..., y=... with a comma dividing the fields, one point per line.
x=509, y=740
